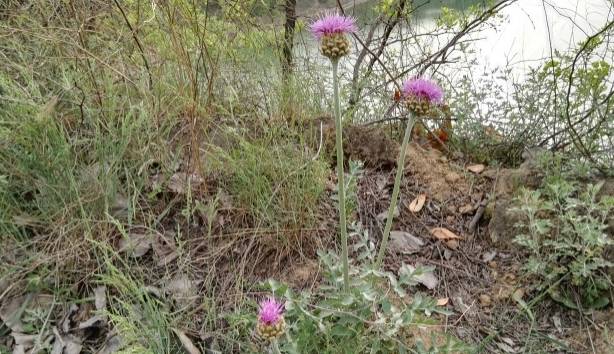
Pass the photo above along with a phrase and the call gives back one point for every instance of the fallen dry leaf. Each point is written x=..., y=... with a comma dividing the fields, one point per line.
x=67, y=344
x=136, y=245
x=186, y=342
x=10, y=314
x=476, y=168
x=68, y=316
x=112, y=345
x=443, y=301
x=27, y=340
x=58, y=344
x=165, y=249
x=12, y=311
x=427, y=278
x=182, y=289
x=73, y=345
x=443, y=234
x=120, y=207
x=417, y=204
x=404, y=242
x=179, y=182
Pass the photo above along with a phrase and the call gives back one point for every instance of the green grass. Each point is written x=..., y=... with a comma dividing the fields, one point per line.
x=82, y=132
x=277, y=184
x=92, y=122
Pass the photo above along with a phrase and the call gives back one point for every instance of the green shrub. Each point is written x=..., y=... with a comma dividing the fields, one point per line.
x=563, y=226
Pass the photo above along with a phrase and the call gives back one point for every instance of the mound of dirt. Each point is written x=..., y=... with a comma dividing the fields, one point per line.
x=430, y=167
x=369, y=144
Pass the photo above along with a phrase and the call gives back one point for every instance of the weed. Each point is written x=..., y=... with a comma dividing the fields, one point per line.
x=275, y=182
x=373, y=316
x=563, y=226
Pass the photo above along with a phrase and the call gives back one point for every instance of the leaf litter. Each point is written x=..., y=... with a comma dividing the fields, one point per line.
x=404, y=242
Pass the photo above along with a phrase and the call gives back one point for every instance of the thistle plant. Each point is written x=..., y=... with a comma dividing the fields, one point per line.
x=271, y=324
x=420, y=97
x=332, y=30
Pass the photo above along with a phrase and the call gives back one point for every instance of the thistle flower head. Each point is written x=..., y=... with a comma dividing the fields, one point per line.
x=333, y=23
x=270, y=312
x=422, y=90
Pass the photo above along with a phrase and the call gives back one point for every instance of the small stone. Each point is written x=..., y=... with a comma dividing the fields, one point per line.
x=493, y=264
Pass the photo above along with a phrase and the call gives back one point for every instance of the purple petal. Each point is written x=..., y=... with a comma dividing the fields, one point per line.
x=423, y=89
x=333, y=23
x=270, y=311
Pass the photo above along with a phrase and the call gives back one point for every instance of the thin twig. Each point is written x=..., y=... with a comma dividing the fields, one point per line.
x=576, y=139
x=138, y=43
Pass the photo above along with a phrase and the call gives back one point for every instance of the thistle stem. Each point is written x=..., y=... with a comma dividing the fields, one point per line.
x=395, y=193
x=340, y=178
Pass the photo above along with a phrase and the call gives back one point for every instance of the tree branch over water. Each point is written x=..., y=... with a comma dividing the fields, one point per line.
x=441, y=56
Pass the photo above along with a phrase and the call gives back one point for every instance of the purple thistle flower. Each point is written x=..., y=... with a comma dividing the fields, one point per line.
x=423, y=89
x=270, y=311
x=331, y=23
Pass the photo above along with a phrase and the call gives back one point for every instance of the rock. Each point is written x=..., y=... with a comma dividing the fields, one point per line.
x=510, y=180
x=404, y=242
x=502, y=223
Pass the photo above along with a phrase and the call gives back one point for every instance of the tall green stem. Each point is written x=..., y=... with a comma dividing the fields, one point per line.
x=340, y=178
x=395, y=193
